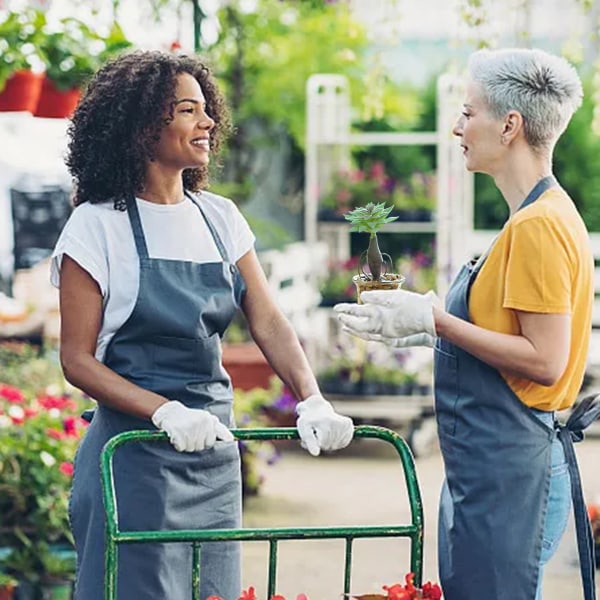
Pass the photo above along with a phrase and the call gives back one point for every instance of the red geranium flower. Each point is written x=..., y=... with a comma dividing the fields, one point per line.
x=66, y=468
x=12, y=394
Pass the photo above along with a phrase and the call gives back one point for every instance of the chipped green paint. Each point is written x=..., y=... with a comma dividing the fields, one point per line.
x=114, y=536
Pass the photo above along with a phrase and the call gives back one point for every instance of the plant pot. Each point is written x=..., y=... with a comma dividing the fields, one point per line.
x=7, y=592
x=388, y=281
x=25, y=590
x=54, y=103
x=247, y=366
x=22, y=91
x=61, y=589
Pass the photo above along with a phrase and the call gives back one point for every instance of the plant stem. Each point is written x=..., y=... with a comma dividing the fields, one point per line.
x=374, y=258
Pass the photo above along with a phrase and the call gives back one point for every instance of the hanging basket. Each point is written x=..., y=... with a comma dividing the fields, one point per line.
x=54, y=103
x=21, y=92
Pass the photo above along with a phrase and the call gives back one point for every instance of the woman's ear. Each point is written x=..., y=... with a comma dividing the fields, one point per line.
x=513, y=125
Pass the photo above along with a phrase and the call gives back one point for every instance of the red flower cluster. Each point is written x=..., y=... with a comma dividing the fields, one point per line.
x=429, y=591
x=397, y=591
x=250, y=594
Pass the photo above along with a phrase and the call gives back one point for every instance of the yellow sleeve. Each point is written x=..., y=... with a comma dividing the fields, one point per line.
x=538, y=274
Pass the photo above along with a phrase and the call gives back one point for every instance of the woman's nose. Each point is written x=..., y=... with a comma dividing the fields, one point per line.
x=457, y=130
x=206, y=122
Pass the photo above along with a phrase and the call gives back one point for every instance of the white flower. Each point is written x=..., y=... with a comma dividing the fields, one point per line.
x=5, y=421
x=47, y=458
x=54, y=413
x=16, y=412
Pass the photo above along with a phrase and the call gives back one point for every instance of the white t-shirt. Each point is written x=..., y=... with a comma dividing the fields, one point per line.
x=100, y=239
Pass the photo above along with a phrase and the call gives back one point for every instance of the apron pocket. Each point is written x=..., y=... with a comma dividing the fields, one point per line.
x=446, y=388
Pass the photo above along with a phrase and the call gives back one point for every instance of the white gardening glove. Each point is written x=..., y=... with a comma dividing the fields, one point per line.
x=190, y=429
x=392, y=313
x=418, y=339
x=320, y=427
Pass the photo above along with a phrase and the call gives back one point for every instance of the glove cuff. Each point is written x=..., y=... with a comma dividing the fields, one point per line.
x=163, y=411
x=316, y=401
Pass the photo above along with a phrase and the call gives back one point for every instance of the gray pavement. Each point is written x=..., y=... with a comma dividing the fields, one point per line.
x=364, y=485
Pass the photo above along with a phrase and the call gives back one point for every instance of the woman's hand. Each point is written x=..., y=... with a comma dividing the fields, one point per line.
x=389, y=314
x=320, y=427
x=190, y=429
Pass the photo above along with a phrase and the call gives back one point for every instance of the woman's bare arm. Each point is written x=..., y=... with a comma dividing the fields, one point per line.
x=540, y=353
x=272, y=331
x=81, y=318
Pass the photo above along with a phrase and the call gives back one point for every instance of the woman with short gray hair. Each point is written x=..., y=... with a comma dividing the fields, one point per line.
x=511, y=344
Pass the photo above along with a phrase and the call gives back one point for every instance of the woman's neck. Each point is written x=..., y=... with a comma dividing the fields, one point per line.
x=162, y=190
x=519, y=176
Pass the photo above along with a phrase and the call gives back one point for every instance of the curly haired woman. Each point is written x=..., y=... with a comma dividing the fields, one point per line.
x=151, y=270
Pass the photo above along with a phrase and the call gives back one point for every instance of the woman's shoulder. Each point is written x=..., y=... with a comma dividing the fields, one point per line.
x=214, y=201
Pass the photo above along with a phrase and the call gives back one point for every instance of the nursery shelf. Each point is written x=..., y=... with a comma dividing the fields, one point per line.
x=394, y=408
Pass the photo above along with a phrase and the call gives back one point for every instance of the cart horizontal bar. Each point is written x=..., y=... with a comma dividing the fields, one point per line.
x=284, y=533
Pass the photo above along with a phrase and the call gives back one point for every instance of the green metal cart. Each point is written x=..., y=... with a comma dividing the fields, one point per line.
x=115, y=537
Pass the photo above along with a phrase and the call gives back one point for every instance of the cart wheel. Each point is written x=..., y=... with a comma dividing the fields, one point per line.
x=422, y=437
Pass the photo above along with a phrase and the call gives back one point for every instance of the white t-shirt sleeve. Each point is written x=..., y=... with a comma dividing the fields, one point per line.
x=83, y=241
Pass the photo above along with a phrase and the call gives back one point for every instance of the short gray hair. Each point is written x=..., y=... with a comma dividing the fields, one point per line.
x=544, y=88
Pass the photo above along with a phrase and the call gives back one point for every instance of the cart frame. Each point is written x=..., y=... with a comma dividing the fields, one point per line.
x=115, y=537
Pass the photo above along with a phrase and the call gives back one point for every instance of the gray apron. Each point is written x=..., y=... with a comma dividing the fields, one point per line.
x=497, y=457
x=170, y=345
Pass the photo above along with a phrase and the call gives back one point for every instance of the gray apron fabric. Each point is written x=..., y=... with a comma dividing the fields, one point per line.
x=170, y=345
x=497, y=456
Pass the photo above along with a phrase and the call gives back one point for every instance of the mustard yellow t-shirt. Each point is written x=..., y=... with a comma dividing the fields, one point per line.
x=541, y=262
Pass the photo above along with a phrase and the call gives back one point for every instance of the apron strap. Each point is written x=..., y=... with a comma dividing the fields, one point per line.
x=136, y=227
x=586, y=411
x=213, y=231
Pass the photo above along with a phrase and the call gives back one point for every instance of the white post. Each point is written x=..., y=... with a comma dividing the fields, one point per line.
x=327, y=129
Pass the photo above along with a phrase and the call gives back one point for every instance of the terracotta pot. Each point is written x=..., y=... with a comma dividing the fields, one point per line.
x=389, y=281
x=54, y=103
x=21, y=92
x=247, y=366
x=7, y=592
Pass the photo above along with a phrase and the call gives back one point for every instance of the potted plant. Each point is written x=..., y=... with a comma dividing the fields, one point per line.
x=370, y=219
x=71, y=56
x=41, y=428
x=7, y=586
x=56, y=581
x=19, y=35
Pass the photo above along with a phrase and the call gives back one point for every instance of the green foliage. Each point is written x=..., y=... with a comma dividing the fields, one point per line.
x=19, y=36
x=75, y=52
x=370, y=218
x=40, y=424
x=265, y=57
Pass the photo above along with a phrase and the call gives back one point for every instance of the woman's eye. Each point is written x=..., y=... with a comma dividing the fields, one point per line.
x=466, y=114
x=187, y=110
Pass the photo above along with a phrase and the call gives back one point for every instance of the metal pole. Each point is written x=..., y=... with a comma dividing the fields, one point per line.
x=199, y=16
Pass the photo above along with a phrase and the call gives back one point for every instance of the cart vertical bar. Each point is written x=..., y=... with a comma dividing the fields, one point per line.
x=348, y=566
x=272, y=582
x=195, y=571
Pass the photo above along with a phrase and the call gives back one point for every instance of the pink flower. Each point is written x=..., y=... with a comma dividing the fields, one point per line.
x=59, y=402
x=55, y=433
x=70, y=426
x=12, y=394
x=66, y=468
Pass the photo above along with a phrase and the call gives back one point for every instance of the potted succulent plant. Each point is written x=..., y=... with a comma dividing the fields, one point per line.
x=370, y=219
x=19, y=35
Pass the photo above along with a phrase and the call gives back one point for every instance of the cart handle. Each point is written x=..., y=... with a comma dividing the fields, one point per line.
x=114, y=536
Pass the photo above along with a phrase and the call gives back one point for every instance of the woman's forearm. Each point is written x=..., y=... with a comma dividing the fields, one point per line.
x=514, y=354
x=279, y=343
x=104, y=385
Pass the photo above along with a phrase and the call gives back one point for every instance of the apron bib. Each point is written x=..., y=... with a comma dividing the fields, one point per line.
x=497, y=457
x=170, y=344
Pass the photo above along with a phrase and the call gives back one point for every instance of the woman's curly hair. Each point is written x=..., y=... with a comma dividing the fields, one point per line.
x=116, y=126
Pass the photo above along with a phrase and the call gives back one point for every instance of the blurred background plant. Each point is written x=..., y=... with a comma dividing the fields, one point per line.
x=338, y=286
x=41, y=427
